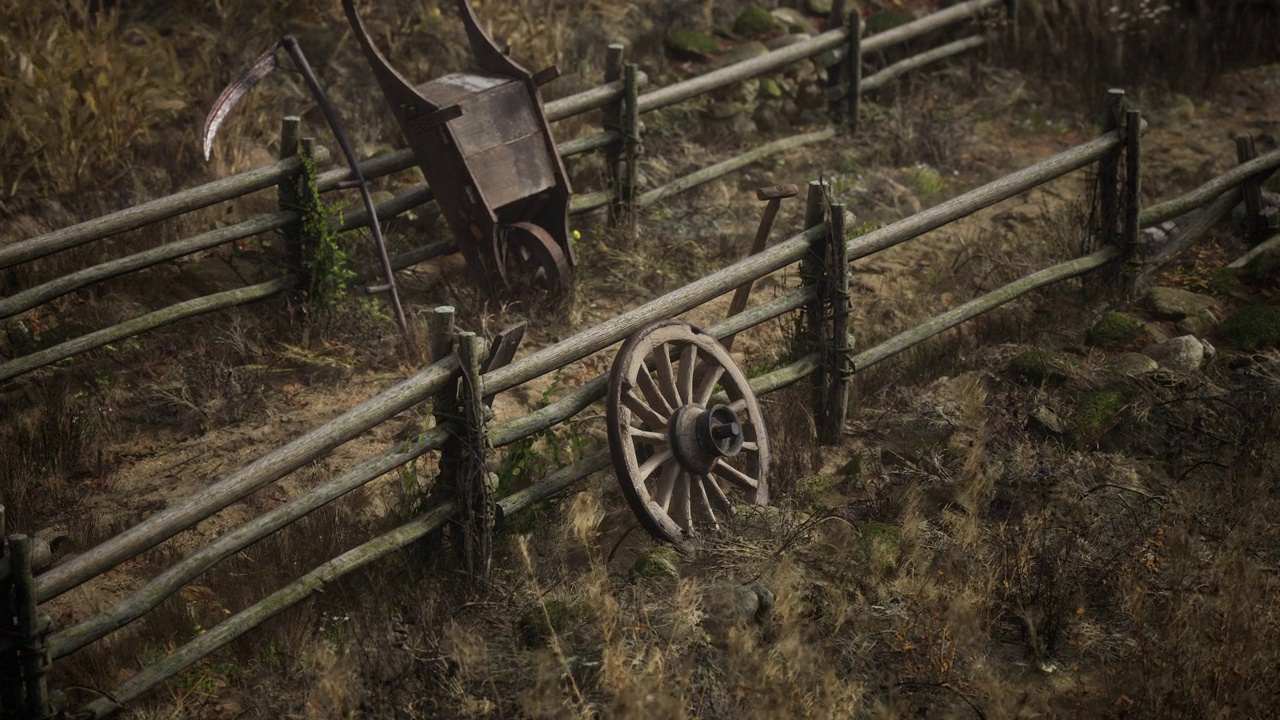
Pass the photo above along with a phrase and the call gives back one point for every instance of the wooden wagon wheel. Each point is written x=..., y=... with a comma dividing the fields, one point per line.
x=683, y=453
x=529, y=250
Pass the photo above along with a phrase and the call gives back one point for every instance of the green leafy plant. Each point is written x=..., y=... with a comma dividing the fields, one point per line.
x=328, y=264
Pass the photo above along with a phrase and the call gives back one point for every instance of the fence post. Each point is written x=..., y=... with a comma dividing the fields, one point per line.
x=31, y=631
x=1255, y=224
x=1132, y=192
x=287, y=194
x=11, y=691
x=1109, y=170
x=826, y=267
x=444, y=410
x=854, y=60
x=308, y=243
x=630, y=146
x=613, y=70
x=835, y=93
x=1011, y=9
x=833, y=295
x=472, y=482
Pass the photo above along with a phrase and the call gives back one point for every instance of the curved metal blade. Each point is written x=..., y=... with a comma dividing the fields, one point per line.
x=232, y=95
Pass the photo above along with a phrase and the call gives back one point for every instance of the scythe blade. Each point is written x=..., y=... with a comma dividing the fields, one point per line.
x=236, y=91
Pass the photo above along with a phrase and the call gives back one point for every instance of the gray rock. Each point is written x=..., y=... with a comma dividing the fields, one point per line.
x=731, y=605
x=1181, y=354
x=818, y=7
x=1175, y=304
x=1048, y=420
x=795, y=21
x=1132, y=365
x=1198, y=326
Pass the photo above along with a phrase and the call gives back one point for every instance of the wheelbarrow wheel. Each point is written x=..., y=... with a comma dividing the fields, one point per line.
x=530, y=252
x=685, y=431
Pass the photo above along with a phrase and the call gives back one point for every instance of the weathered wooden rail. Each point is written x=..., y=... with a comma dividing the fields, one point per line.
x=28, y=651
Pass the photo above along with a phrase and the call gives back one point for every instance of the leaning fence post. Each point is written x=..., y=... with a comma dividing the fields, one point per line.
x=287, y=194
x=1011, y=9
x=630, y=146
x=613, y=70
x=31, y=630
x=473, y=493
x=1132, y=188
x=1255, y=225
x=812, y=271
x=1109, y=170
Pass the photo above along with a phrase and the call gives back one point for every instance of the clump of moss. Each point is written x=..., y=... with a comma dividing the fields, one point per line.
x=880, y=545
x=554, y=617
x=658, y=563
x=1253, y=327
x=690, y=45
x=1114, y=329
x=1041, y=366
x=924, y=181
x=755, y=21
x=817, y=491
x=1097, y=412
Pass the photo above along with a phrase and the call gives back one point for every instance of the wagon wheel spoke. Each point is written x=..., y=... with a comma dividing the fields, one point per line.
x=666, y=376
x=707, y=384
x=735, y=476
x=703, y=501
x=647, y=414
x=667, y=485
x=688, y=363
x=682, y=509
x=652, y=394
x=648, y=437
x=716, y=494
x=653, y=463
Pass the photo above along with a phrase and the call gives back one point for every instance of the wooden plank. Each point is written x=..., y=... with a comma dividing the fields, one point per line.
x=915, y=62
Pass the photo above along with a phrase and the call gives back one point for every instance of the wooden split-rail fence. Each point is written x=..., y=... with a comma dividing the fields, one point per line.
x=826, y=249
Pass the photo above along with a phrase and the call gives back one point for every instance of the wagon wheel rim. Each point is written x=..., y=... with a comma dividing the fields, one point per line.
x=532, y=248
x=685, y=455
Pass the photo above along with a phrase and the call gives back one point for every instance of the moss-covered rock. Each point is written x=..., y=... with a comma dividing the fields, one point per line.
x=1046, y=366
x=554, y=617
x=690, y=45
x=1097, y=412
x=879, y=545
x=754, y=21
x=1114, y=329
x=658, y=563
x=818, y=491
x=1253, y=328
x=1175, y=303
x=1131, y=364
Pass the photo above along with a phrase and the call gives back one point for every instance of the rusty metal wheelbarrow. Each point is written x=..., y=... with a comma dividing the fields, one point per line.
x=482, y=139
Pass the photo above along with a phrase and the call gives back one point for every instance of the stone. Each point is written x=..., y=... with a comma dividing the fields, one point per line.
x=1253, y=328
x=690, y=45
x=1114, y=329
x=657, y=563
x=795, y=21
x=755, y=21
x=1180, y=354
x=818, y=7
x=1048, y=421
x=1097, y=412
x=1175, y=304
x=1131, y=364
x=1198, y=326
x=731, y=605
x=1040, y=366
x=745, y=51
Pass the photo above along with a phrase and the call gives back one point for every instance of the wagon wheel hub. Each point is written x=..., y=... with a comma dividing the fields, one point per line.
x=699, y=436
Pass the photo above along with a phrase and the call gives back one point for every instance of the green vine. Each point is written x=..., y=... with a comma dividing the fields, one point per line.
x=326, y=261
